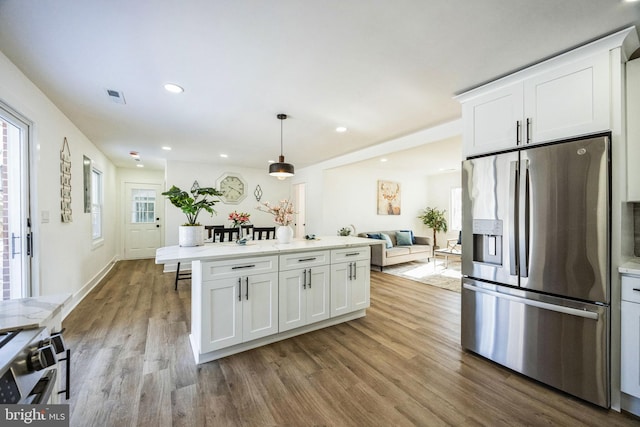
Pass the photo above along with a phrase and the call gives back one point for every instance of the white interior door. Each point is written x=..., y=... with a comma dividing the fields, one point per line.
x=143, y=223
x=15, y=225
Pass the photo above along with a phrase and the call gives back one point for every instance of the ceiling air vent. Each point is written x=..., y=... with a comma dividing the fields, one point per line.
x=116, y=96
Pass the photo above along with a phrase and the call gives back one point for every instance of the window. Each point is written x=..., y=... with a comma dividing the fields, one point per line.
x=96, y=204
x=144, y=204
x=455, y=220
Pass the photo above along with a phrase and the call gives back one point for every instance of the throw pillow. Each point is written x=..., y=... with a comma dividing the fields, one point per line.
x=403, y=238
x=388, y=240
x=413, y=236
x=374, y=236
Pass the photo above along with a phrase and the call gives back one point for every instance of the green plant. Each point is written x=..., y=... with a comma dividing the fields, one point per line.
x=435, y=220
x=344, y=231
x=192, y=204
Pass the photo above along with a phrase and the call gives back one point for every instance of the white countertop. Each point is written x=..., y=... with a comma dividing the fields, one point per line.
x=630, y=267
x=30, y=313
x=229, y=250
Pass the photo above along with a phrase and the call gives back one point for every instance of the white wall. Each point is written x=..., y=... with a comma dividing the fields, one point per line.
x=351, y=198
x=182, y=174
x=65, y=259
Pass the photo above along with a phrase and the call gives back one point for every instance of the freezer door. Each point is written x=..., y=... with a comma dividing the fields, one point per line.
x=564, y=219
x=489, y=207
x=562, y=343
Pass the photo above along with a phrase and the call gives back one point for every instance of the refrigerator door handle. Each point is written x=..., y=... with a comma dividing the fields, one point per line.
x=544, y=305
x=513, y=217
x=523, y=237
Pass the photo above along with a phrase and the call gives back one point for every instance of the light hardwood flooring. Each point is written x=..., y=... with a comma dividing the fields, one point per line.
x=400, y=365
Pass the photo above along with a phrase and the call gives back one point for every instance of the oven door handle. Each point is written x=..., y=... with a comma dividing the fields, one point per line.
x=43, y=390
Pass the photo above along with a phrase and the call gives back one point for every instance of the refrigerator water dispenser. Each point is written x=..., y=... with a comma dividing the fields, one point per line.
x=487, y=241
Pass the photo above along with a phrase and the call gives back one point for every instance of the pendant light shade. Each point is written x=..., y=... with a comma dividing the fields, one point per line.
x=281, y=170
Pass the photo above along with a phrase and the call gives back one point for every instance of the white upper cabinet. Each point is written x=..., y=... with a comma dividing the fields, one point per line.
x=567, y=101
x=493, y=121
x=633, y=130
x=566, y=96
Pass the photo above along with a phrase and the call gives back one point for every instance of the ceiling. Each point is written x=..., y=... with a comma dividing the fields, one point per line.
x=383, y=69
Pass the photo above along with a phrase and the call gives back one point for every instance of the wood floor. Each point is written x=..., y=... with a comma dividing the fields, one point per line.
x=400, y=365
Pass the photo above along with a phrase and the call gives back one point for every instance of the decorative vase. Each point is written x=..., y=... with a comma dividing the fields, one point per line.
x=191, y=235
x=284, y=234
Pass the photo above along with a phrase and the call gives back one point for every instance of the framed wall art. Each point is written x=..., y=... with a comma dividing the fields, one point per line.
x=65, y=182
x=388, y=198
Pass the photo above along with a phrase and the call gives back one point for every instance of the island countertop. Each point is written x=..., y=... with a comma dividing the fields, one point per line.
x=230, y=250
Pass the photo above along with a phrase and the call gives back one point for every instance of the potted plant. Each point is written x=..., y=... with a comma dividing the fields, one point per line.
x=435, y=220
x=191, y=233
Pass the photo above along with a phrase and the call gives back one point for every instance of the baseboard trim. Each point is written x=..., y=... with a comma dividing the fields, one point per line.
x=78, y=296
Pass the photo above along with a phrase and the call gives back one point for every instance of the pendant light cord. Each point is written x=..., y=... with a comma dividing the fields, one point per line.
x=281, y=150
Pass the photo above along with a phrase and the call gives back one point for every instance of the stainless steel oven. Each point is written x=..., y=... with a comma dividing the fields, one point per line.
x=29, y=366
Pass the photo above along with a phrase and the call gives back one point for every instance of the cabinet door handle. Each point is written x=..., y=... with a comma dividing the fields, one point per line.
x=309, y=279
x=518, y=131
x=352, y=254
x=238, y=267
x=528, y=130
x=239, y=288
x=304, y=279
x=636, y=289
x=355, y=271
x=350, y=273
x=307, y=259
x=247, y=294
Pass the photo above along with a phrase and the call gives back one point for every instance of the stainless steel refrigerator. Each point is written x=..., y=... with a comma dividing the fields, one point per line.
x=535, y=263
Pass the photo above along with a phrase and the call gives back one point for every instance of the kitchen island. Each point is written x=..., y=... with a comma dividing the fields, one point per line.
x=247, y=296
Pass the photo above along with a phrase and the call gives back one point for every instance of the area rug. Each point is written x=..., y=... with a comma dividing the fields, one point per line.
x=430, y=273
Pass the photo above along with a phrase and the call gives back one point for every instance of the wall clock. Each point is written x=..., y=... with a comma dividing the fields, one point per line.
x=233, y=187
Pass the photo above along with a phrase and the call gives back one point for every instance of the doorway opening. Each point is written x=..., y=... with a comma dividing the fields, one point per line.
x=15, y=225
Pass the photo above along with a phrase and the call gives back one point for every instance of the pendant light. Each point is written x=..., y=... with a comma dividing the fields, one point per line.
x=281, y=170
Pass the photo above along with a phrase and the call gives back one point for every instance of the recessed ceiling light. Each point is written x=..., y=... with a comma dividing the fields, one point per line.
x=224, y=156
x=173, y=88
x=134, y=154
x=383, y=160
x=165, y=148
x=341, y=129
x=272, y=161
x=140, y=165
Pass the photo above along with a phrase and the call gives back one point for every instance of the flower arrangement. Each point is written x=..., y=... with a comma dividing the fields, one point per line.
x=239, y=218
x=282, y=212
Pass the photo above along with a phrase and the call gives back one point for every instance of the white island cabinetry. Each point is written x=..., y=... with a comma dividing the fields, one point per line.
x=238, y=301
x=304, y=289
x=350, y=277
x=243, y=297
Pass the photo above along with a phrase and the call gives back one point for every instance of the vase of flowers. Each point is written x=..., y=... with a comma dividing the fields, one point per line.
x=283, y=216
x=238, y=219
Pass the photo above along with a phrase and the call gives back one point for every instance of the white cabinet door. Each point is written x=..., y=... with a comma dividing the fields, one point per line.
x=303, y=296
x=360, y=286
x=493, y=121
x=293, y=305
x=569, y=100
x=340, y=289
x=318, y=291
x=260, y=306
x=630, y=348
x=221, y=314
x=633, y=130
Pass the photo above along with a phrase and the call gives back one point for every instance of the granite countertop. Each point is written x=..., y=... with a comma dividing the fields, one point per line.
x=28, y=313
x=229, y=250
x=630, y=267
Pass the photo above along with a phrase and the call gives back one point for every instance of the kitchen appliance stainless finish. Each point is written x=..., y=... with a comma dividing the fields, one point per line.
x=536, y=263
x=29, y=366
